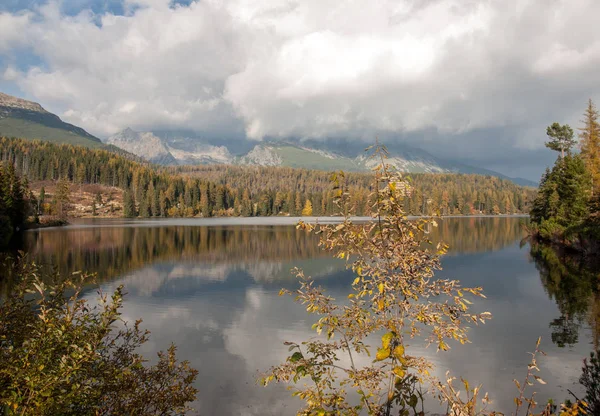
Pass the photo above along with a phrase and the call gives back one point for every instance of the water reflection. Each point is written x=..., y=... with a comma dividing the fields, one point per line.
x=112, y=251
x=212, y=290
x=572, y=281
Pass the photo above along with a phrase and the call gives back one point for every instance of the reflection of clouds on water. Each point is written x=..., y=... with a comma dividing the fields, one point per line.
x=213, y=330
x=220, y=306
x=258, y=329
x=232, y=328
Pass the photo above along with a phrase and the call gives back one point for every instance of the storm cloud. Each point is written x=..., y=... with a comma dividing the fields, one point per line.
x=476, y=81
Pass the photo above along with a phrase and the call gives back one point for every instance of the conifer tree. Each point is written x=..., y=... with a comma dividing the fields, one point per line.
x=308, y=209
x=63, y=192
x=561, y=138
x=589, y=136
x=41, y=200
x=563, y=194
x=129, y=210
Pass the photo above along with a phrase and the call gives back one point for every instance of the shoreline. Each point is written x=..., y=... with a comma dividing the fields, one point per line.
x=79, y=223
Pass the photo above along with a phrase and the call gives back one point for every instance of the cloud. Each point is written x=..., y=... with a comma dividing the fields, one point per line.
x=11, y=30
x=429, y=71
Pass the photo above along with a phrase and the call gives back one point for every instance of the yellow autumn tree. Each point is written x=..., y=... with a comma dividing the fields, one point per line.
x=308, y=209
x=589, y=135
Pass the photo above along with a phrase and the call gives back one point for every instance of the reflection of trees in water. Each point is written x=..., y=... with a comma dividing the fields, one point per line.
x=113, y=251
x=476, y=234
x=572, y=281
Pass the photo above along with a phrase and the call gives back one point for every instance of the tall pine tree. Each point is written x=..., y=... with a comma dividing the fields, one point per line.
x=561, y=138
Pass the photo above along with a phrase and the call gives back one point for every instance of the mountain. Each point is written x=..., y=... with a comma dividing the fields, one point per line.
x=297, y=156
x=184, y=148
x=29, y=120
x=145, y=145
x=171, y=151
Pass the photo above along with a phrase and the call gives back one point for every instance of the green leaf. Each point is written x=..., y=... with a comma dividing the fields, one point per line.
x=297, y=356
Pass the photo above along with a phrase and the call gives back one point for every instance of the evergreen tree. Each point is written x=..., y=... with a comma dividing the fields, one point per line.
x=62, y=197
x=563, y=195
x=561, y=138
x=246, y=210
x=13, y=203
x=41, y=200
x=144, y=210
x=298, y=204
x=129, y=210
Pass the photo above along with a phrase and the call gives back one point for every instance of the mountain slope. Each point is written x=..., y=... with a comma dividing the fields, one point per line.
x=286, y=154
x=29, y=120
x=145, y=145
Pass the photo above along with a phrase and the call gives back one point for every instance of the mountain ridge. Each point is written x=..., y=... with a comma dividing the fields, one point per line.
x=308, y=154
x=28, y=119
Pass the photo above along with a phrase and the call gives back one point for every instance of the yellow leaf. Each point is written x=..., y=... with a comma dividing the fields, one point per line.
x=382, y=354
x=387, y=339
x=399, y=351
x=381, y=287
x=380, y=304
x=399, y=371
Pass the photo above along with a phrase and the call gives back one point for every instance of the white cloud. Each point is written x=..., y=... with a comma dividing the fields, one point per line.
x=315, y=67
x=11, y=29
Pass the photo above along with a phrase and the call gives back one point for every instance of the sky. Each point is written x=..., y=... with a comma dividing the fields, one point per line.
x=472, y=81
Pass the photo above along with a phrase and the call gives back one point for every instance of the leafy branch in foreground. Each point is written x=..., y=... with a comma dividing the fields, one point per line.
x=62, y=355
x=395, y=297
x=395, y=301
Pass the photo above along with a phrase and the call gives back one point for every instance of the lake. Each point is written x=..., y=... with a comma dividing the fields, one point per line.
x=211, y=287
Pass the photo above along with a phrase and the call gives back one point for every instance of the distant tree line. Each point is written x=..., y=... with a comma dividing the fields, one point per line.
x=283, y=190
x=223, y=190
x=567, y=206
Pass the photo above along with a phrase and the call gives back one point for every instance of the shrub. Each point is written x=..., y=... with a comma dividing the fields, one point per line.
x=63, y=355
x=394, y=297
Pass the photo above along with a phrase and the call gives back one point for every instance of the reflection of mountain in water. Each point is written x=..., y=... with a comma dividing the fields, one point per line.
x=573, y=282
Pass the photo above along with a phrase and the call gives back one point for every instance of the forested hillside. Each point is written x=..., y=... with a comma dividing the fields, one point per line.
x=440, y=193
x=248, y=191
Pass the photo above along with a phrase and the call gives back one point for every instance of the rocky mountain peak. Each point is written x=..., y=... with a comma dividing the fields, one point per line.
x=19, y=103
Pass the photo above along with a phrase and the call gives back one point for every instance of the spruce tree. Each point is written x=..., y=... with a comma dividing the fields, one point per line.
x=63, y=192
x=129, y=210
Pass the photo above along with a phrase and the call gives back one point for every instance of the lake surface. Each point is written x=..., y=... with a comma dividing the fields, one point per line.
x=211, y=287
